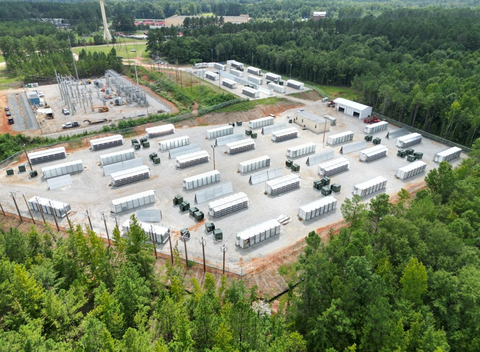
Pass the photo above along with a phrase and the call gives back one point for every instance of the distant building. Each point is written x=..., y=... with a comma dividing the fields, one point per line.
x=352, y=108
x=151, y=23
x=319, y=15
x=178, y=20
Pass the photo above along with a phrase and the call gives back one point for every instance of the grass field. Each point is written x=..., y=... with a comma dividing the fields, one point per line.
x=247, y=105
x=5, y=79
x=339, y=92
x=123, y=49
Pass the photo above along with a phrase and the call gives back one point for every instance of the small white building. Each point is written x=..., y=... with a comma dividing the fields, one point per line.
x=311, y=121
x=352, y=108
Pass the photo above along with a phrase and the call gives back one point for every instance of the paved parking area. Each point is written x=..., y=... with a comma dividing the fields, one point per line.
x=22, y=113
x=90, y=189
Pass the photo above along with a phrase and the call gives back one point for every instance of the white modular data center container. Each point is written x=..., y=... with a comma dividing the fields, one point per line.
x=408, y=140
x=174, y=143
x=106, y=142
x=254, y=70
x=228, y=205
x=373, y=153
x=333, y=167
x=62, y=169
x=240, y=146
x=255, y=79
x=219, y=67
x=365, y=188
x=317, y=208
x=254, y=164
x=236, y=73
x=411, y=170
x=235, y=64
x=229, y=83
x=158, y=234
x=44, y=156
x=295, y=84
x=261, y=122
x=285, y=134
x=376, y=127
x=300, y=150
x=192, y=159
x=257, y=233
x=448, y=154
x=48, y=206
x=250, y=92
x=117, y=157
x=130, y=175
x=159, y=131
x=277, y=88
x=133, y=201
x=269, y=76
x=338, y=138
x=212, y=76
x=282, y=184
x=219, y=131
x=200, y=180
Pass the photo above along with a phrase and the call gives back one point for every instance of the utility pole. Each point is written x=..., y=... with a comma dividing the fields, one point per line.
x=3, y=211
x=104, y=217
x=28, y=159
x=41, y=211
x=31, y=215
x=186, y=254
x=170, y=242
x=16, y=206
x=213, y=147
x=291, y=70
x=89, y=220
x=68, y=219
x=324, y=130
x=203, y=241
x=223, y=248
x=153, y=241
x=54, y=216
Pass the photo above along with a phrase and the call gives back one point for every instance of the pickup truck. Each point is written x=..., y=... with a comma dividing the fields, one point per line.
x=70, y=125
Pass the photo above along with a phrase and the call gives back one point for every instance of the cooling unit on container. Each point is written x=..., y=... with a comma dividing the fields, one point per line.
x=44, y=156
x=228, y=205
x=250, y=92
x=201, y=179
x=174, y=143
x=408, y=140
x=373, y=153
x=258, y=233
x=106, y=142
x=365, y=188
x=317, y=208
x=277, y=88
x=240, y=146
x=283, y=135
x=273, y=77
x=62, y=169
x=133, y=201
x=212, y=76
x=236, y=73
x=294, y=84
x=48, y=206
x=447, y=155
x=254, y=164
x=338, y=138
x=411, y=170
x=262, y=122
x=219, y=131
x=157, y=234
x=376, y=127
x=254, y=70
x=158, y=131
x=229, y=83
x=333, y=167
x=282, y=184
x=300, y=150
x=219, y=67
x=130, y=175
x=117, y=157
x=255, y=79
x=192, y=159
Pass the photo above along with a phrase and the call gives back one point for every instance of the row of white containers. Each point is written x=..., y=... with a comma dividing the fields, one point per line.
x=277, y=88
x=408, y=140
x=229, y=83
x=158, y=131
x=254, y=70
x=47, y=155
x=447, y=155
x=228, y=205
x=236, y=73
x=135, y=174
x=282, y=184
x=219, y=67
x=333, y=167
x=159, y=233
x=262, y=122
x=62, y=169
x=300, y=150
x=174, y=143
x=219, y=131
x=201, y=179
x=106, y=142
x=411, y=170
x=257, y=233
x=212, y=75
x=340, y=138
x=283, y=135
x=254, y=79
x=371, y=186
x=133, y=201
x=317, y=208
x=48, y=206
x=192, y=159
x=240, y=146
x=373, y=153
x=117, y=157
x=376, y=127
x=254, y=164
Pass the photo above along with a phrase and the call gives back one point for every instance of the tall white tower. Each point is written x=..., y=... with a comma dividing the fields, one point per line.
x=106, y=33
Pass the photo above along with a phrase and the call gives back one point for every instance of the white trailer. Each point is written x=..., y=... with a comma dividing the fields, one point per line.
x=174, y=143
x=106, y=142
x=408, y=140
x=212, y=76
x=228, y=205
x=376, y=127
x=62, y=169
x=373, y=153
x=130, y=175
x=255, y=79
x=333, y=167
x=219, y=131
x=235, y=64
x=269, y=76
x=448, y=154
x=133, y=201
x=257, y=233
x=282, y=184
x=219, y=67
x=277, y=88
x=368, y=187
x=192, y=159
x=262, y=122
x=295, y=84
x=44, y=156
x=117, y=157
x=300, y=150
x=250, y=92
x=254, y=164
x=229, y=83
x=411, y=170
x=49, y=206
x=201, y=180
x=236, y=73
x=254, y=70
x=240, y=146
x=317, y=208
x=338, y=138
x=159, y=131
x=283, y=135
x=157, y=234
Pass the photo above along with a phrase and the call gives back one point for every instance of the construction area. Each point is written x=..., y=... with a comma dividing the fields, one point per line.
x=245, y=191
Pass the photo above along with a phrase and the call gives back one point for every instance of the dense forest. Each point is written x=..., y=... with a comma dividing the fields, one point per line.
x=401, y=276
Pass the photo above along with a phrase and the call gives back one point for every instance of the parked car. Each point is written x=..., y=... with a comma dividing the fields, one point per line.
x=70, y=125
x=10, y=121
x=66, y=111
x=8, y=113
x=6, y=108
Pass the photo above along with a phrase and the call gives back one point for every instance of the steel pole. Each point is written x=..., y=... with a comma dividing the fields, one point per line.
x=16, y=206
x=3, y=211
x=170, y=242
x=41, y=211
x=186, y=255
x=54, y=216
x=31, y=215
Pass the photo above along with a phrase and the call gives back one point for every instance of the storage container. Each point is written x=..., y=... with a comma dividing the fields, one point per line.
x=117, y=157
x=184, y=206
x=257, y=233
x=336, y=188
x=228, y=205
x=192, y=159
x=218, y=234
x=254, y=164
x=373, y=153
x=106, y=142
x=62, y=169
x=300, y=150
x=376, y=127
x=219, y=131
x=240, y=146
x=365, y=188
x=317, y=208
x=411, y=170
x=408, y=140
x=333, y=167
x=174, y=143
x=133, y=201
x=130, y=175
x=282, y=184
x=338, y=138
x=47, y=155
x=209, y=226
x=177, y=200
x=262, y=122
x=447, y=155
x=296, y=85
x=49, y=206
x=200, y=180
x=285, y=134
